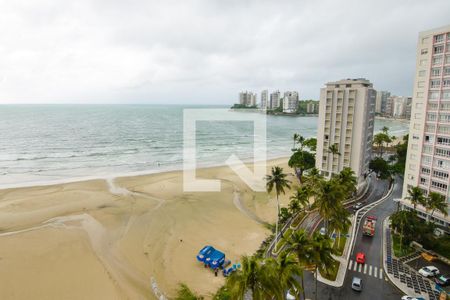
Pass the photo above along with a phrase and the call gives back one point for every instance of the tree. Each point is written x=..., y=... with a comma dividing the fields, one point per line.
x=295, y=137
x=380, y=139
x=334, y=150
x=300, y=244
x=311, y=143
x=299, y=200
x=184, y=293
x=313, y=180
x=288, y=270
x=300, y=161
x=436, y=201
x=348, y=180
x=380, y=167
x=339, y=221
x=256, y=277
x=399, y=221
x=321, y=250
x=278, y=181
x=285, y=214
x=329, y=199
x=415, y=195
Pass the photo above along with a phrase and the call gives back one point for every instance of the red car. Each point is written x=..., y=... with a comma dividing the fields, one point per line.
x=360, y=258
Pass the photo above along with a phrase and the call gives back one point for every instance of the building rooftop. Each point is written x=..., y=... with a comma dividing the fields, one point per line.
x=350, y=81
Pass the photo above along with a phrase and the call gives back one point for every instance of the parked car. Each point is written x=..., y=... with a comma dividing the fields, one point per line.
x=360, y=258
x=429, y=271
x=322, y=231
x=357, y=206
x=357, y=284
x=443, y=280
x=412, y=298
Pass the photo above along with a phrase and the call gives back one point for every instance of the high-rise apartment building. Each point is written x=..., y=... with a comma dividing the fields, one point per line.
x=247, y=98
x=398, y=106
x=428, y=160
x=290, y=102
x=275, y=98
x=381, y=101
x=346, y=119
x=265, y=100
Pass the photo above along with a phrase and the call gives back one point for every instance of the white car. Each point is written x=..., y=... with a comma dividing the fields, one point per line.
x=429, y=271
x=412, y=298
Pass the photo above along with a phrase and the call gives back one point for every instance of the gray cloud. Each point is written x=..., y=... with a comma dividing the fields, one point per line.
x=204, y=51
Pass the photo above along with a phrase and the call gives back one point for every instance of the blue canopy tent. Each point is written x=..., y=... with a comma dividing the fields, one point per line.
x=205, y=253
x=215, y=260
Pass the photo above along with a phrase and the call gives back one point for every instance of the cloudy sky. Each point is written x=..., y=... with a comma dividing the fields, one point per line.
x=144, y=51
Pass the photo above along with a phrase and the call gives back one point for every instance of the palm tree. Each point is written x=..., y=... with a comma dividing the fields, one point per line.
x=184, y=293
x=398, y=220
x=378, y=140
x=301, y=198
x=288, y=270
x=312, y=181
x=436, y=201
x=334, y=150
x=416, y=196
x=255, y=277
x=321, y=250
x=339, y=222
x=278, y=180
x=300, y=244
x=295, y=137
x=329, y=199
x=348, y=180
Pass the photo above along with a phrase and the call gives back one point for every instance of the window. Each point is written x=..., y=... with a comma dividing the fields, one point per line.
x=423, y=62
x=446, y=71
x=326, y=137
x=429, y=128
x=424, y=51
x=425, y=40
x=442, y=164
x=433, y=95
x=426, y=160
x=444, y=118
x=439, y=38
x=443, y=141
x=446, y=83
x=429, y=139
x=435, y=83
x=447, y=59
x=427, y=149
x=445, y=106
x=414, y=147
x=438, y=49
x=444, y=129
x=435, y=72
x=423, y=180
x=421, y=84
x=440, y=174
x=433, y=106
x=446, y=94
x=426, y=171
x=415, y=137
x=431, y=117
x=422, y=73
x=442, y=152
x=410, y=176
x=448, y=47
x=437, y=60
x=438, y=185
x=419, y=95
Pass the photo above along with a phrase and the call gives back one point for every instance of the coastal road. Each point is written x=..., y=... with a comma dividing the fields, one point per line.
x=375, y=284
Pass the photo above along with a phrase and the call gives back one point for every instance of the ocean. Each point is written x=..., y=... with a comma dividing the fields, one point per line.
x=41, y=144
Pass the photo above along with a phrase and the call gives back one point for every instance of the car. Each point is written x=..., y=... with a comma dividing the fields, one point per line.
x=322, y=231
x=412, y=298
x=443, y=280
x=360, y=258
x=357, y=206
x=429, y=271
x=357, y=284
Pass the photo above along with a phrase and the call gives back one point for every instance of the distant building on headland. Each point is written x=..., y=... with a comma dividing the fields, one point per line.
x=247, y=99
x=346, y=120
x=265, y=103
x=275, y=99
x=380, y=102
x=312, y=107
x=398, y=107
x=290, y=102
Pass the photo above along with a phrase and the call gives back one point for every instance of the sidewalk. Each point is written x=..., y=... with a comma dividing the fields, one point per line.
x=406, y=279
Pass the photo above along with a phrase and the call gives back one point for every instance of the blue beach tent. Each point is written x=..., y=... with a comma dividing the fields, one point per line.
x=205, y=253
x=215, y=260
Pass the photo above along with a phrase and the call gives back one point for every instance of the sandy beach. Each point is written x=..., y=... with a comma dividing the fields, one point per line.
x=112, y=240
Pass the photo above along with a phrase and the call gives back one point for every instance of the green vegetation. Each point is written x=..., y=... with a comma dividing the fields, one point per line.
x=242, y=106
x=330, y=273
x=302, y=106
x=184, y=293
x=399, y=249
x=303, y=157
x=339, y=244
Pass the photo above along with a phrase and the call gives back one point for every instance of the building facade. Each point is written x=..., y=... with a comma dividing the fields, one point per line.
x=247, y=98
x=311, y=108
x=275, y=99
x=346, y=119
x=380, y=102
x=428, y=160
x=265, y=99
x=290, y=102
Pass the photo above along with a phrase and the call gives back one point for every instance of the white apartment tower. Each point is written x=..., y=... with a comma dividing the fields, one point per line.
x=290, y=102
x=428, y=160
x=346, y=119
x=265, y=99
x=275, y=98
x=247, y=98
